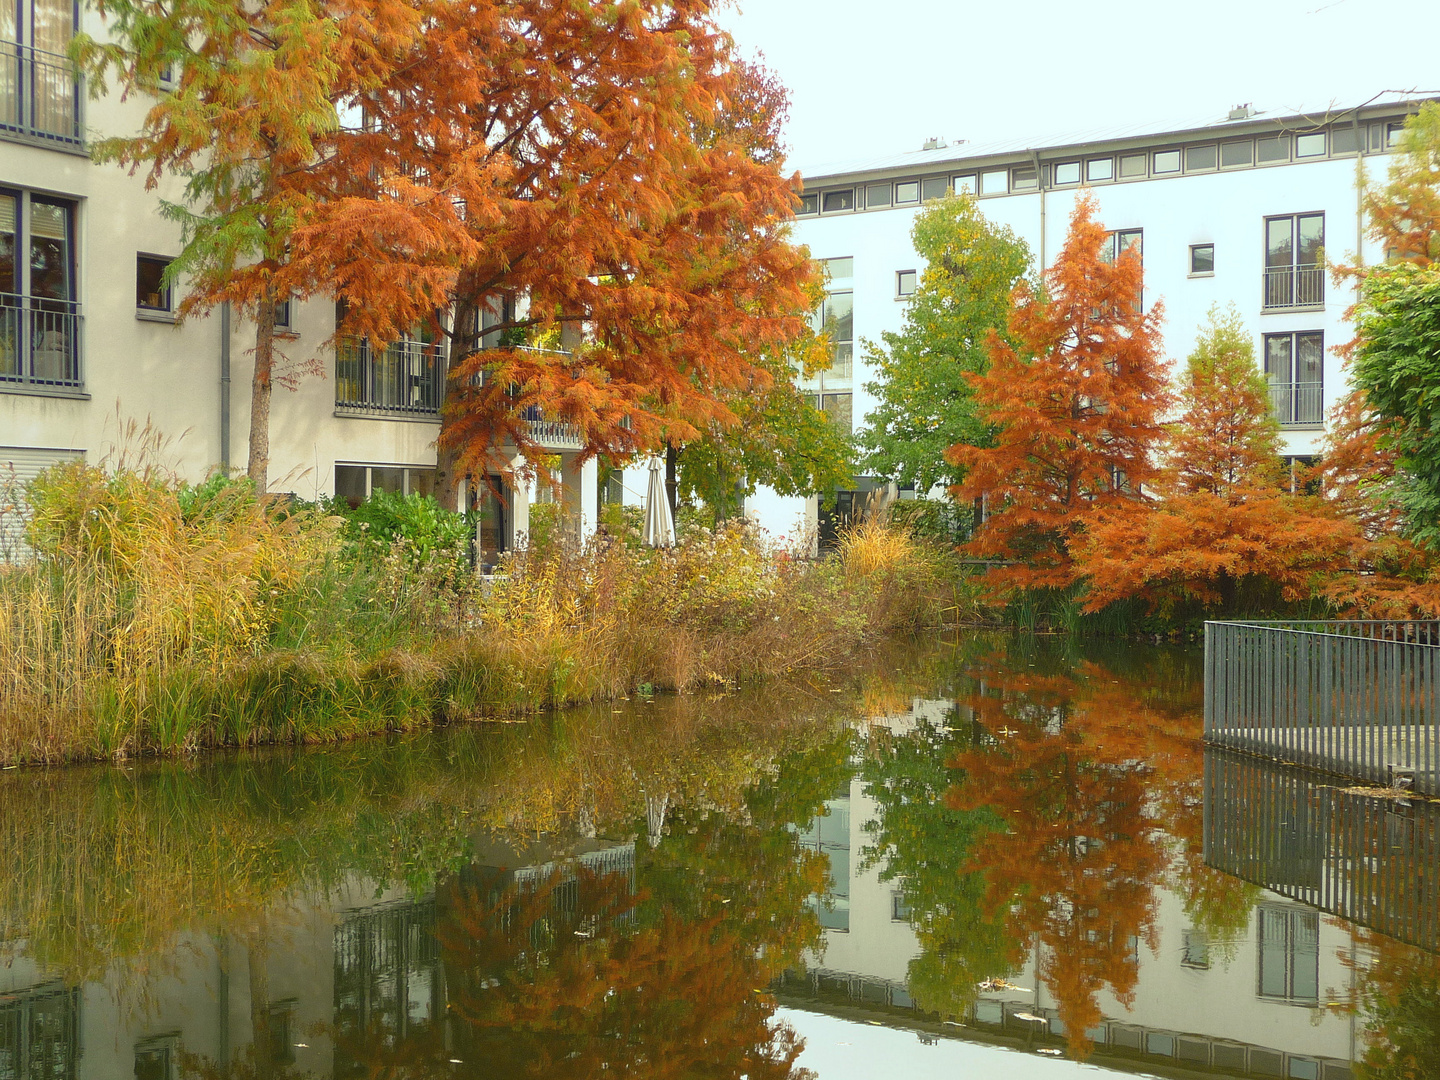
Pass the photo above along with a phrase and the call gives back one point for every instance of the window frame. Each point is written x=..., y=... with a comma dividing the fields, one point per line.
x=1067, y=165
x=1003, y=173
x=1290, y=389
x=1107, y=163
x=1194, y=273
x=166, y=311
x=900, y=292
x=1324, y=151
x=841, y=193
x=906, y=200
x=40, y=318
x=1270, y=273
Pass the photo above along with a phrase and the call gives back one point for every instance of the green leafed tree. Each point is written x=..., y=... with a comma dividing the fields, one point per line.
x=925, y=402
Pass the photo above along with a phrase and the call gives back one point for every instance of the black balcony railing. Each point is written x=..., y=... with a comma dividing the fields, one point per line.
x=39, y=342
x=405, y=377
x=1297, y=403
x=1300, y=286
x=40, y=95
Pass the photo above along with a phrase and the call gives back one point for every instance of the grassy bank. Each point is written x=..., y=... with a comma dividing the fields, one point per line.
x=163, y=618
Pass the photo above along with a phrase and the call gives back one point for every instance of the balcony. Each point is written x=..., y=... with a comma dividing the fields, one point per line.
x=406, y=378
x=1298, y=404
x=1300, y=286
x=552, y=434
x=40, y=96
x=39, y=343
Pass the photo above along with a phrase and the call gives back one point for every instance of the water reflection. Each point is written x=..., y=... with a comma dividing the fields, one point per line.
x=1004, y=843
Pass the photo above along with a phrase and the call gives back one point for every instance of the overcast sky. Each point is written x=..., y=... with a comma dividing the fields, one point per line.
x=884, y=75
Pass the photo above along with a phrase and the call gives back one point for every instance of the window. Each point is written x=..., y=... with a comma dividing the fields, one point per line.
x=1025, y=179
x=39, y=92
x=1347, y=140
x=907, y=192
x=1293, y=274
x=835, y=317
x=1195, y=950
x=39, y=318
x=280, y=1025
x=905, y=282
x=963, y=183
x=1067, y=172
x=1100, y=169
x=1202, y=259
x=809, y=203
x=995, y=182
x=407, y=376
x=1289, y=954
x=1274, y=149
x=1132, y=165
x=1167, y=161
x=1295, y=370
x=877, y=195
x=934, y=187
x=1235, y=154
x=1121, y=241
x=1199, y=158
x=1311, y=145
x=282, y=317
x=899, y=908
x=1392, y=135
x=39, y=1032
x=356, y=483
x=839, y=200
x=151, y=292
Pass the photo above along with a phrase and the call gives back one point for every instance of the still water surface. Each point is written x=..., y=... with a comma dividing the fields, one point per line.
x=985, y=856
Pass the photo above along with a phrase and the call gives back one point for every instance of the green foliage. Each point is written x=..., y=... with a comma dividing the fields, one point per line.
x=419, y=521
x=1397, y=366
x=926, y=404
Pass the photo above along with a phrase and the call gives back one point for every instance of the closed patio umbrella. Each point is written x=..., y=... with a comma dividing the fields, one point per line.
x=659, y=526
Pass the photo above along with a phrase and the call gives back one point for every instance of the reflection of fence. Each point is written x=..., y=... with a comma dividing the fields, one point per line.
x=1357, y=698
x=387, y=968
x=1367, y=859
x=39, y=1032
x=40, y=95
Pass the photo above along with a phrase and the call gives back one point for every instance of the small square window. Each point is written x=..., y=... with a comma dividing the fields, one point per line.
x=1027, y=179
x=1276, y=149
x=877, y=195
x=905, y=282
x=1202, y=258
x=965, y=184
x=1167, y=161
x=1132, y=165
x=934, y=187
x=1199, y=158
x=907, y=192
x=839, y=200
x=809, y=203
x=1312, y=145
x=1100, y=169
x=996, y=182
x=1235, y=154
x=151, y=292
x=1067, y=172
x=282, y=316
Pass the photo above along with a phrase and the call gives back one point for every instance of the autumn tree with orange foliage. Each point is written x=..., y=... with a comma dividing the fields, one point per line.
x=603, y=183
x=1224, y=532
x=1076, y=408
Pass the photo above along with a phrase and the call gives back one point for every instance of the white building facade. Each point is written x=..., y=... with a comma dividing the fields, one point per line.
x=1245, y=209
x=89, y=346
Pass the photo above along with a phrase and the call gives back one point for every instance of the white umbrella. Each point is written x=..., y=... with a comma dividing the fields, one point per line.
x=659, y=527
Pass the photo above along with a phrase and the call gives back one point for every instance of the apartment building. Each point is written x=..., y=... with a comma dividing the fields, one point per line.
x=89, y=344
x=1243, y=207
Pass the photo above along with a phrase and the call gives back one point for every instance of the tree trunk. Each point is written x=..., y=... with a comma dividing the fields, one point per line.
x=258, y=468
x=464, y=340
x=672, y=468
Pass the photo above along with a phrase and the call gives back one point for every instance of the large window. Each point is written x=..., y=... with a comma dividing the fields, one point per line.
x=1121, y=241
x=835, y=317
x=39, y=319
x=1289, y=954
x=408, y=376
x=356, y=483
x=1293, y=274
x=39, y=90
x=1295, y=369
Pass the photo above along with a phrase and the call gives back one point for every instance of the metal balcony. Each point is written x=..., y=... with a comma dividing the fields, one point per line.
x=1295, y=287
x=40, y=96
x=39, y=342
x=1298, y=404
x=406, y=377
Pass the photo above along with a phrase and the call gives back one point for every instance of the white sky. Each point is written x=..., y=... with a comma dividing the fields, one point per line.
x=881, y=77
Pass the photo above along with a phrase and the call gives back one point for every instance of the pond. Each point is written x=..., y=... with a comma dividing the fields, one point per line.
x=972, y=855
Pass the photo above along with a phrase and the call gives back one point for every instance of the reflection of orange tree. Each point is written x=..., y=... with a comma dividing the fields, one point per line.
x=1074, y=764
x=1397, y=989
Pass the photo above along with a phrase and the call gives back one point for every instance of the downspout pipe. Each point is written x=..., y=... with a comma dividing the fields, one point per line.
x=225, y=387
x=1040, y=184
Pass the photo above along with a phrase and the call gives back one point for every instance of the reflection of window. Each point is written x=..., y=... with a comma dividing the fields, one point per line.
x=829, y=834
x=155, y=1058
x=1202, y=258
x=39, y=1032
x=39, y=319
x=356, y=483
x=387, y=967
x=1195, y=952
x=899, y=907
x=280, y=1020
x=151, y=292
x=1289, y=954
x=904, y=282
x=1295, y=370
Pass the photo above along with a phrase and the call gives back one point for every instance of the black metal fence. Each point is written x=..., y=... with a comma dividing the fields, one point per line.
x=39, y=341
x=1370, y=859
x=1356, y=698
x=40, y=95
x=1295, y=286
x=405, y=377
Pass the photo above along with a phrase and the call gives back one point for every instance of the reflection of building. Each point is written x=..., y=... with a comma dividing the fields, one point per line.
x=348, y=963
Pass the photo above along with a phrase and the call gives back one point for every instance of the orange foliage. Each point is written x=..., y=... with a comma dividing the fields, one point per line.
x=1078, y=420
